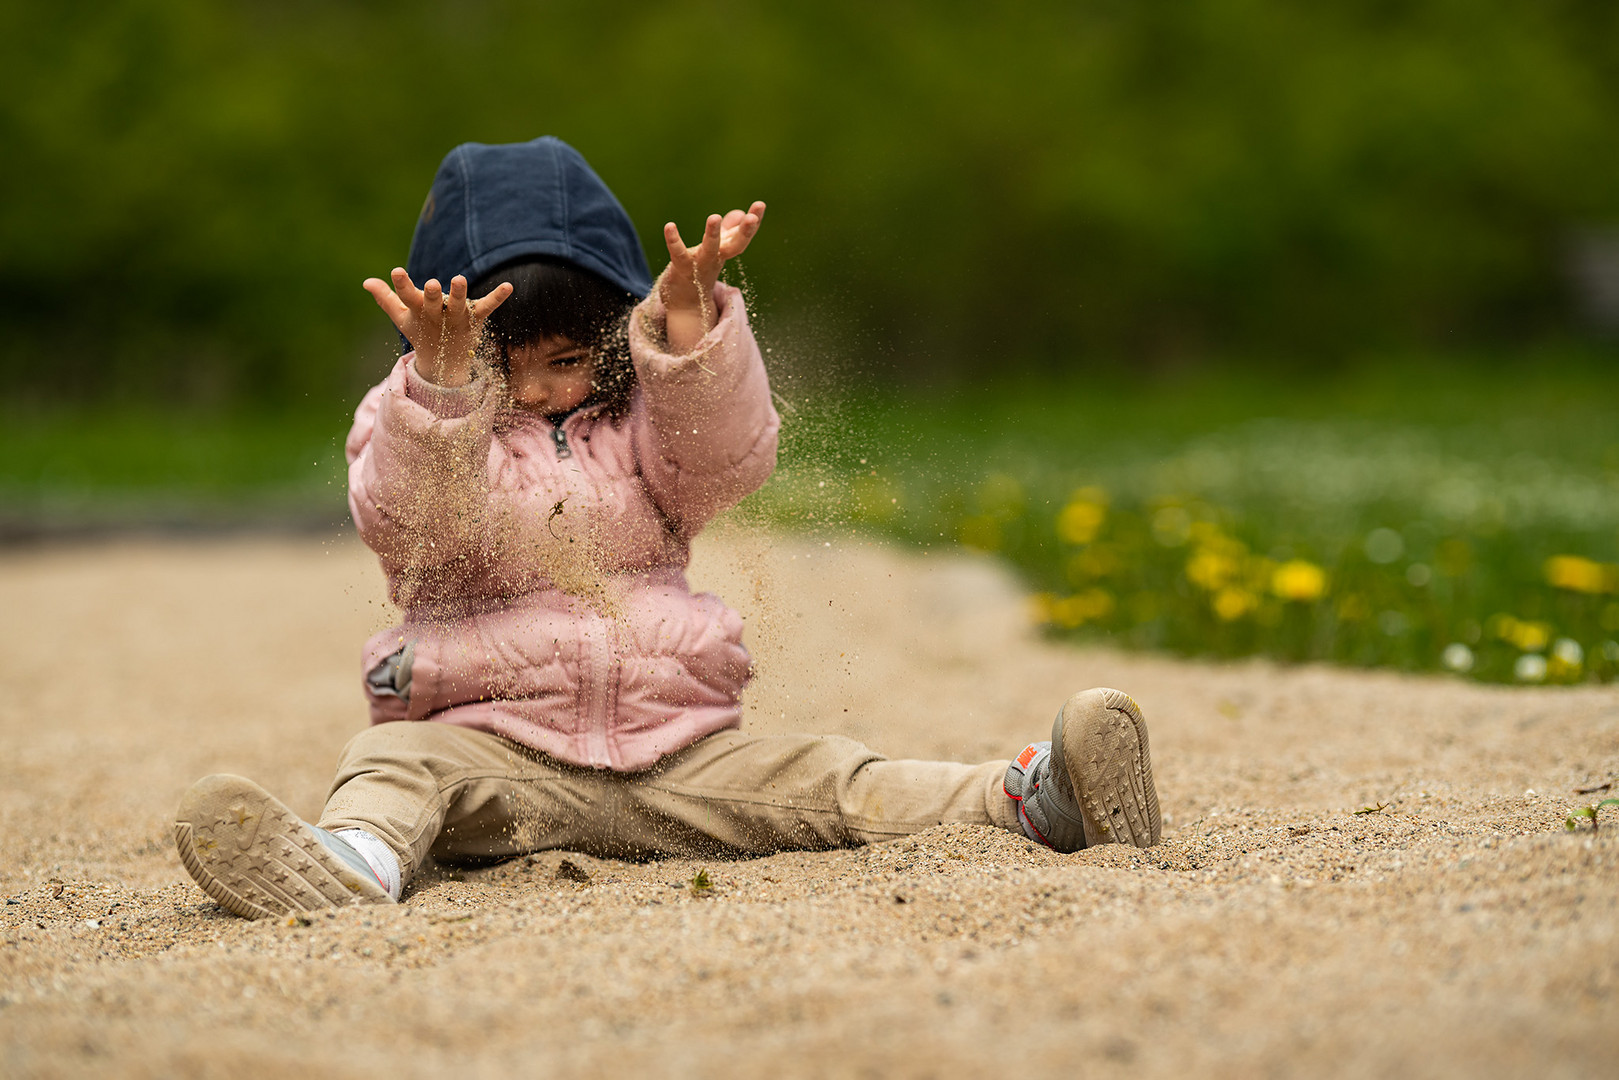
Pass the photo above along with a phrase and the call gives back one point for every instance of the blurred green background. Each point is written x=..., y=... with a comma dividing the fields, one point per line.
x=1258, y=282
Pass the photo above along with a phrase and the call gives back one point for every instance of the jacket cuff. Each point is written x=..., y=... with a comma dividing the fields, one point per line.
x=445, y=402
x=649, y=332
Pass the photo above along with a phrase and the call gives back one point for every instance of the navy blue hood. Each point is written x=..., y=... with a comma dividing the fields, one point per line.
x=494, y=204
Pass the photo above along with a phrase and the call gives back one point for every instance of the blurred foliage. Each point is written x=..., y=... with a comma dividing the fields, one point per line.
x=69, y=470
x=1421, y=512
x=1443, y=520
x=194, y=189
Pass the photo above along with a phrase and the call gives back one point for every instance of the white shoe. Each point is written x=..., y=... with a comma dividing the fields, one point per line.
x=1092, y=783
x=258, y=859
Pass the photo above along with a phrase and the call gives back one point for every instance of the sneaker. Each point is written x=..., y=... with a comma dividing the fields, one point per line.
x=1092, y=783
x=258, y=859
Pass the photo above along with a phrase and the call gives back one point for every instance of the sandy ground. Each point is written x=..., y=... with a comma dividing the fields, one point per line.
x=1459, y=931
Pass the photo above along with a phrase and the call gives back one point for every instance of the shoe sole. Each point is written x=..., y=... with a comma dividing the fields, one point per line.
x=1104, y=745
x=257, y=858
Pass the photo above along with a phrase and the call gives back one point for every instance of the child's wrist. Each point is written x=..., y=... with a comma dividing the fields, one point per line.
x=681, y=293
x=683, y=311
x=683, y=328
x=695, y=313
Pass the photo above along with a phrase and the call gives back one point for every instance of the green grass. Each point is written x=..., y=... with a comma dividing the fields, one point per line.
x=1420, y=517
x=63, y=468
x=1414, y=515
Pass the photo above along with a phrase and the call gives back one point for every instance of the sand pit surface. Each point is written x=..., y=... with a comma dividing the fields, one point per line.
x=1457, y=931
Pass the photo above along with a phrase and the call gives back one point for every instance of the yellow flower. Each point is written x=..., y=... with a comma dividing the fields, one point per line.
x=1567, y=660
x=1082, y=518
x=1532, y=636
x=1081, y=608
x=1581, y=575
x=1522, y=634
x=1233, y=604
x=1218, y=559
x=1299, y=580
x=1210, y=569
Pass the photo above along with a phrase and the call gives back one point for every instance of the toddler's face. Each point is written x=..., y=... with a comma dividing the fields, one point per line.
x=551, y=375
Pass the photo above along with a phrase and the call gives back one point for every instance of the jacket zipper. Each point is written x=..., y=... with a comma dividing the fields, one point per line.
x=560, y=438
x=599, y=694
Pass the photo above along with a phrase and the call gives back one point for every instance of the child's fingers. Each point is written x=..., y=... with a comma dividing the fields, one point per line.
x=432, y=313
x=671, y=239
x=393, y=307
x=736, y=217
x=406, y=288
x=711, y=236
x=497, y=296
x=740, y=229
x=456, y=306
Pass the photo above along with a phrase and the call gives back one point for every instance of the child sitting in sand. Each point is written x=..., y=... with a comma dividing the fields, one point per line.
x=531, y=475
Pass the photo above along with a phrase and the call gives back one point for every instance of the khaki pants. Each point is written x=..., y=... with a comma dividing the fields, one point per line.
x=464, y=794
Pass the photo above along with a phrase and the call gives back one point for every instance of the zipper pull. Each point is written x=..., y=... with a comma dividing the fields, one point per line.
x=560, y=437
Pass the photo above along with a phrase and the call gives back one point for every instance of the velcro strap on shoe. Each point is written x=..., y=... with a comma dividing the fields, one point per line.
x=1046, y=815
x=1022, y=783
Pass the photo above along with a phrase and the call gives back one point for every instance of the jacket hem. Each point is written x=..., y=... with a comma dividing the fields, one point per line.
x=630, y=755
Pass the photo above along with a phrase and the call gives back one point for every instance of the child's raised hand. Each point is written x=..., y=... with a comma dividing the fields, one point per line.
x=444, y=329
x=688, y=286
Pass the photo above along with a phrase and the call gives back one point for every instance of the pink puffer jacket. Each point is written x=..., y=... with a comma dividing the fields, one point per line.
x=542, y=573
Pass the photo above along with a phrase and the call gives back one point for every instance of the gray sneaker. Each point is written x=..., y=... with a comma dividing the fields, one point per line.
x=258, y=859
x=1092, y=783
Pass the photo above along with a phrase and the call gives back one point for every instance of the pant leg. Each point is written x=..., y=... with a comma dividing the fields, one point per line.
x=456, y=792
x=740, y=794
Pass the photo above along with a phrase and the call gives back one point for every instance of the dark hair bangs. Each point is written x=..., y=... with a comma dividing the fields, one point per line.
x=555, y=298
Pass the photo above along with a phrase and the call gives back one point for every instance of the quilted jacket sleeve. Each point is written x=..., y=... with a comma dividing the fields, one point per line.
x=419, y=469
x=705, y=430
